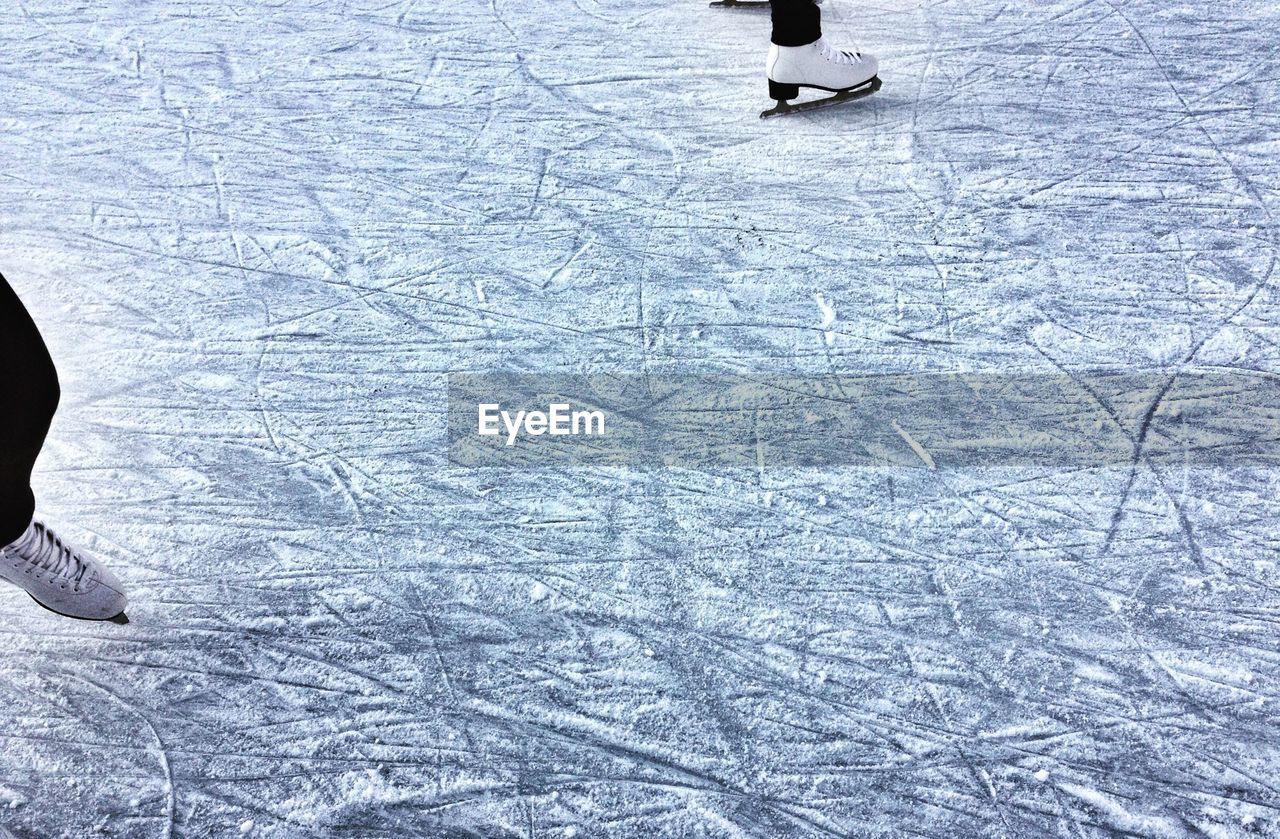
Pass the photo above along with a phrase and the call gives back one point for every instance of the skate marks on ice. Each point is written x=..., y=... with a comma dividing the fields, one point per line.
x=267, y=228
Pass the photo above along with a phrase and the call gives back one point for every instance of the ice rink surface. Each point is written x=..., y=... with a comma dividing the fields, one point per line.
x=259, y=236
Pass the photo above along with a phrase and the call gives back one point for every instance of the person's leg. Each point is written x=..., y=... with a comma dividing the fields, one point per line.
x=60, y=578
x=800, y=57
x=28, y=398
x=795, y=22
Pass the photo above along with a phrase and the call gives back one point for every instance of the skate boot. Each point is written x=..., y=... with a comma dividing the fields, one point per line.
x=60, y=578
x=749, y=4
x=822, y=66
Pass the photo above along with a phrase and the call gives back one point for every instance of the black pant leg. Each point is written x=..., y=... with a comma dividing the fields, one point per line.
x=28, y=398
x=795, y=22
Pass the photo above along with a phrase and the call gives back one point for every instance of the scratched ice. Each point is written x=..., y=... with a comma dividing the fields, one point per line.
x=259, y=236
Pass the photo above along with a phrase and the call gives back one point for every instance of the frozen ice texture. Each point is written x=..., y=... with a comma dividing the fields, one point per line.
x=259, y=236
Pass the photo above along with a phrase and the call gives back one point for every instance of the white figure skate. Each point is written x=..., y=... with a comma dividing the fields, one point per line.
x=60, y=578
x=849, y=75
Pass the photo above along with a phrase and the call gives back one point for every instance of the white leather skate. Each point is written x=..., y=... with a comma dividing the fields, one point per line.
x=60, y=578
x=818, y=65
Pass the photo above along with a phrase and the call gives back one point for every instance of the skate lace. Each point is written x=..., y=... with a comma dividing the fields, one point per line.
x=43, y=549
x=836, y=56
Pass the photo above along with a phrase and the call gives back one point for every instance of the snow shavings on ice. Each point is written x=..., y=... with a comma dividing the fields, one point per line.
x=259, y=236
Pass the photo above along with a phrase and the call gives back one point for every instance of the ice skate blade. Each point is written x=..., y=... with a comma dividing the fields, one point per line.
x=867, y=88
x=746, y=4
x=121, y=619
